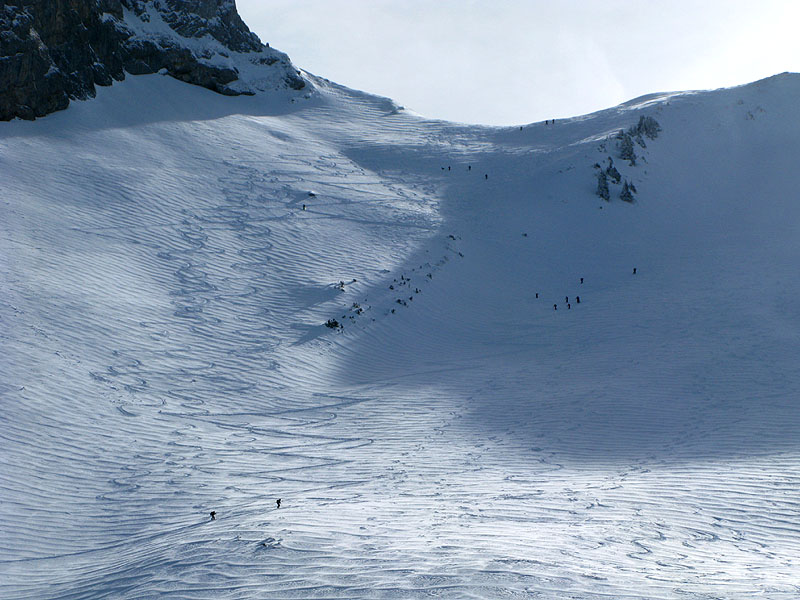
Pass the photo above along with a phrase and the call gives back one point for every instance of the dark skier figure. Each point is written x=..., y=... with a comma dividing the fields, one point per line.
x=486, y=176
x=537, y=294
x=634, y=270
x=278, y=502
x=555, y=306
x=213, y=514
x=569, y=306
x=577, y=299
x=469, y=167
x=304, y=206
x=581, y=280
x=566, y=299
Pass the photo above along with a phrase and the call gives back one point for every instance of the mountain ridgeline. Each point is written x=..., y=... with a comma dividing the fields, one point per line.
x=52, y=51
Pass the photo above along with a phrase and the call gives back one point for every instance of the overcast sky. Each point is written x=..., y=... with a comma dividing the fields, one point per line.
x=505, y=62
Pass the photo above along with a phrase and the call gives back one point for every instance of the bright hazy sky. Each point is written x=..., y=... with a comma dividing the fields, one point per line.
x=505, y=62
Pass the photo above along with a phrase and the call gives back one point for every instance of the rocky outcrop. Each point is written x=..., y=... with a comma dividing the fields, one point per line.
x=217, y=18
x=52, y=51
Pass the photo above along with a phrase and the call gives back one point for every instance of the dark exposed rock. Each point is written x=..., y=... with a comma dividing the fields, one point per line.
x=626, y=150
x=218, y=18
x=52, y=51
x=627, y=192
x=602, y=186
x=646, y=126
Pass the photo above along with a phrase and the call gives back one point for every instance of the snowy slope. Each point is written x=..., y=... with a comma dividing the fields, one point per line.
x=164, y=296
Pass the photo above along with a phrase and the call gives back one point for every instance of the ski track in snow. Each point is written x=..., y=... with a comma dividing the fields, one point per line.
x=164, y=295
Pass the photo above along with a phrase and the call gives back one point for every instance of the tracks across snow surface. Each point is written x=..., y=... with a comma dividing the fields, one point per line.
x=167, y=275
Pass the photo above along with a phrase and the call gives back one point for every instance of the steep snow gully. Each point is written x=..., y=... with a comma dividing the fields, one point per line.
x=465, y=428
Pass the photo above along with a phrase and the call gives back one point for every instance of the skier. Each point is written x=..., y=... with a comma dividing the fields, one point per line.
x=469, y=167
x=566, y=299
x=213, y=514
x=537, y=294
x=304, y=206
x=569, y=306
x=486, y=176
x=634, y=270
x=555, y=306
x=581, y=280
x=278, y=502
x=577, y=299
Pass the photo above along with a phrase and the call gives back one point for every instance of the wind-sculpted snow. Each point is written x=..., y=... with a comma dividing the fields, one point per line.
x=167, y=275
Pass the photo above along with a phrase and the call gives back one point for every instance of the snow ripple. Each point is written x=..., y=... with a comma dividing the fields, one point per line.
x=166, y=356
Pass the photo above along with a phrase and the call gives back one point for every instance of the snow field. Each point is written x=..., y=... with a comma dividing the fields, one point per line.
x=164, y=295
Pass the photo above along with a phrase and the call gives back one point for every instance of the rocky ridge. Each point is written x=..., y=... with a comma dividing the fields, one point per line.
x=52, y=51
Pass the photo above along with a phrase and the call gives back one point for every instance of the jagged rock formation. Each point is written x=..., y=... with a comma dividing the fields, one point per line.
x=647, y=127
x=195, y=18
x=55, y=50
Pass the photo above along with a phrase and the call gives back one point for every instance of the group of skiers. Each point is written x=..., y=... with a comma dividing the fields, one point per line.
x=566, y=300
x=577, y=298
x=568, y=303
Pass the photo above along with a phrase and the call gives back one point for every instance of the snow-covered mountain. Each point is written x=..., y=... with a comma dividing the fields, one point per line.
x=465, y=427
x=52, y=51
